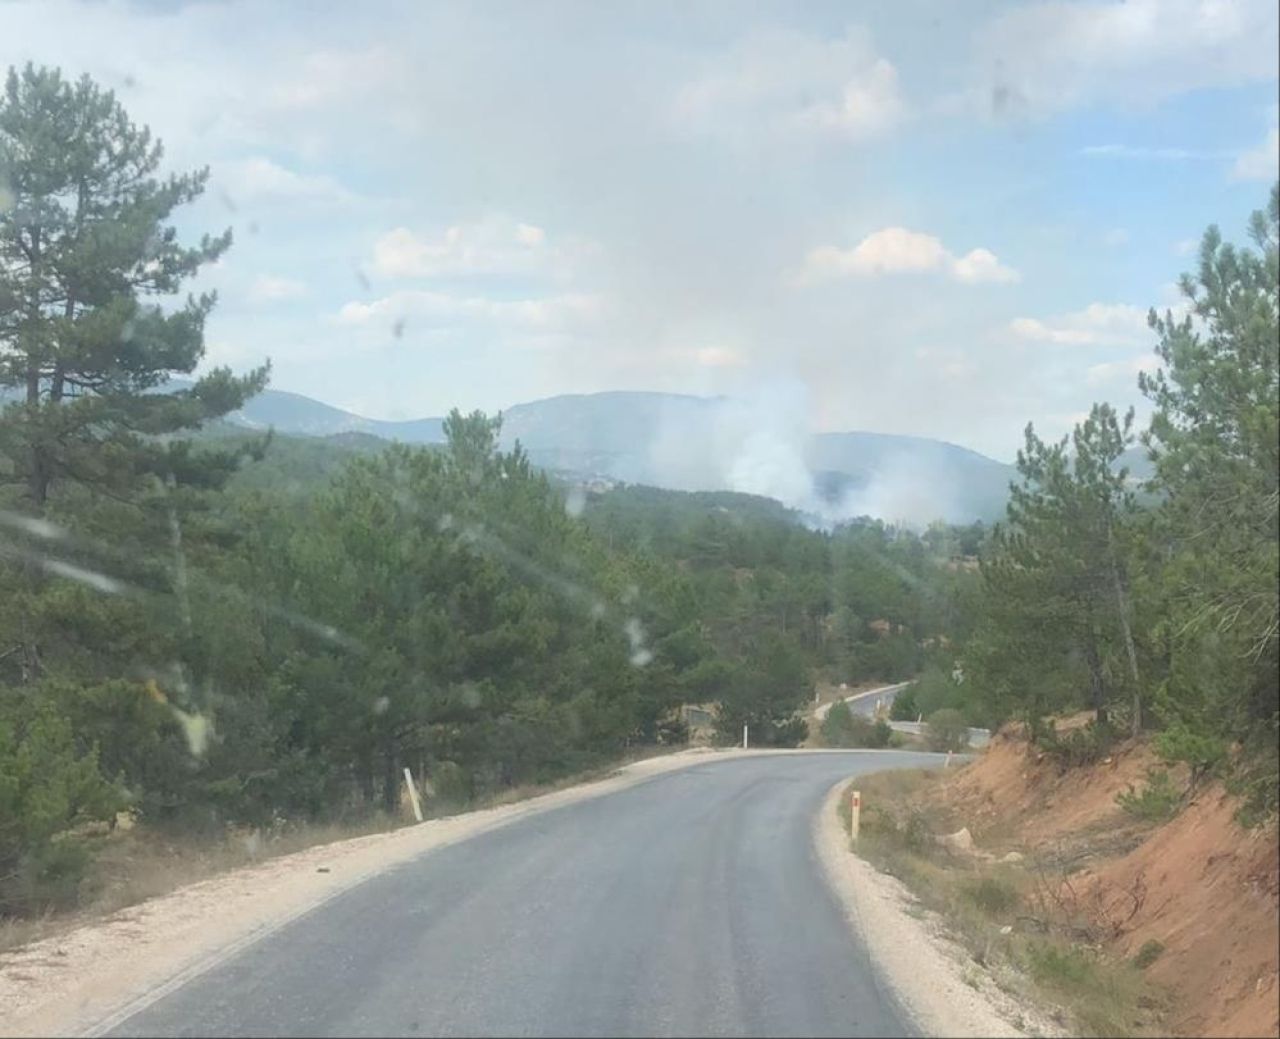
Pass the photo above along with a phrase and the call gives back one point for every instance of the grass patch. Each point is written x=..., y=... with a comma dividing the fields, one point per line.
x=991, y=895
x=1104, y=996
x=991, y=909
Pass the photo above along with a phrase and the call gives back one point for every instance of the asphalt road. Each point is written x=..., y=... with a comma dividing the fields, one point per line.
x=865, y=702
x=690, y=904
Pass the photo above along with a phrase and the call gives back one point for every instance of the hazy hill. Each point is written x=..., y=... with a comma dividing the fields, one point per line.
x=690, y=443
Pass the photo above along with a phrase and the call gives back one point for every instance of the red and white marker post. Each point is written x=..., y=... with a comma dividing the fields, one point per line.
x=855, y=810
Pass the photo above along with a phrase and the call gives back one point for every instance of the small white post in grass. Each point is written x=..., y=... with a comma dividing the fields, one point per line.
x=413, y=794
x=947, y=763
x=744, y=737
x=855, y=812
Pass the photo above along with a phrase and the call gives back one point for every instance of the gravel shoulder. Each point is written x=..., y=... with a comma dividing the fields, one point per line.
x=925, y=970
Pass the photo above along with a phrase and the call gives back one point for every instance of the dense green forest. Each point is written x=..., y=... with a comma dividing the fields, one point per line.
x=1155, y=605
x=206, y=627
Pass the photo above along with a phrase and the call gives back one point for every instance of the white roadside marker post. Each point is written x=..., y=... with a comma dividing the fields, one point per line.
x=413, y=794
x=744, y=737
x=947, y=763
x=855, y=811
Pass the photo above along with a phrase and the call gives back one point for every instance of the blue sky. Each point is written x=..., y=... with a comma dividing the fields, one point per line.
x=932, y=218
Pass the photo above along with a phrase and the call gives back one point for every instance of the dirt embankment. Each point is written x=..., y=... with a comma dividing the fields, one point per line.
x=1200, y=886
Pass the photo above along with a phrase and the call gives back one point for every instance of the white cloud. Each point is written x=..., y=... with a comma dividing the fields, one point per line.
x=980, y=265
x=1115, y=237
x=1185, y=246
x=247, y=182
x=1125, y=151
x=327, y=76
x=1260, y=163
x=527, y=234
x=1051, y=55
x=947, y=361
x=494, y=245
x=868, y=104
x=1125, y=371
x=897, y=250
x=717, y=357
x=783, y=80
x=436, y=309
x=268, y=288
x=1096, y=324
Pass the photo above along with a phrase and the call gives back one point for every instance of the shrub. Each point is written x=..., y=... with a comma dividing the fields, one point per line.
x=1205, y=753
x=933, y=691
x=1063, y=968
x=915, y=832
x=47, y=789
x=1158, y=800
x=1148, y=954
x=842, y=728
x=945, y=730
x=903, y=708
x=1086, y=745
x=993, y=895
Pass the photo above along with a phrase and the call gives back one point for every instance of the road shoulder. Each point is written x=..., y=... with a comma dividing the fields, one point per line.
x=924, y=970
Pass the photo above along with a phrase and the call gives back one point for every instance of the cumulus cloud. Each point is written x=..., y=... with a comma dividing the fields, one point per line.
x=1126, y=151
x=258, y=180
x=1044, y=57
x=551, y=313
x=783, y=80
x=1262, y=162
x=326, y=76
x=1096, y=324
x=980, y=265
x=717, y=357
x=897, y=250
x=268, y=288
x=491, y=246
x=1121, y=371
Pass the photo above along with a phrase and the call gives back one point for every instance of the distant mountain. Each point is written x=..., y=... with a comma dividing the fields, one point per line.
x=294, y=413
x=687, y=443
x=1139, y=465
x=709, y=444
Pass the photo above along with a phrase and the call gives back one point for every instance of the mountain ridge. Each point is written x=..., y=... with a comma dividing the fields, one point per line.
x=692, y=443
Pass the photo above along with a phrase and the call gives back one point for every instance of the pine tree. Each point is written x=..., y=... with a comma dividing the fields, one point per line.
x=86, y=255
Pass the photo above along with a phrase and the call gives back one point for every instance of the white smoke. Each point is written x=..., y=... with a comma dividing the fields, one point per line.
x=758, y=443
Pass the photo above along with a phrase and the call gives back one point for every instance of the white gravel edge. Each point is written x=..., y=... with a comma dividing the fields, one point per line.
x=924, y=969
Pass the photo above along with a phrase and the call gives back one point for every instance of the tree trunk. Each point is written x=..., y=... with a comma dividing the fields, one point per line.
x=390, y=781
x=1123, y=607
x=365, y=770
x=38, y=476
x=1097, y=680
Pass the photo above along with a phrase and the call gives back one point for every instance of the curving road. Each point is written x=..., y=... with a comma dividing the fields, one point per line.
x=689, y=904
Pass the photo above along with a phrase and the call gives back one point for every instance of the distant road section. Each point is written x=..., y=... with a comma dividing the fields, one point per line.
x=868, y=702
x=690, y=904
x=864, y=702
